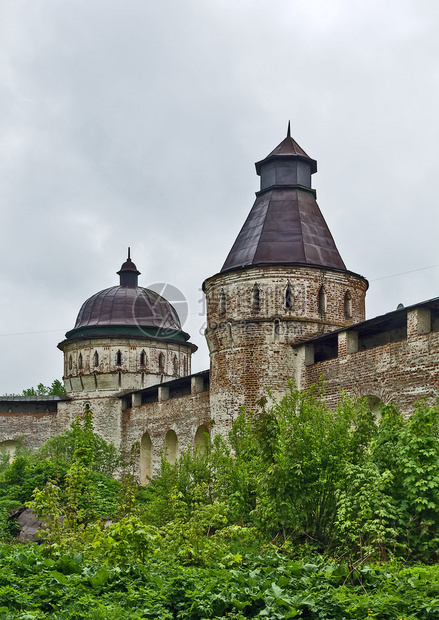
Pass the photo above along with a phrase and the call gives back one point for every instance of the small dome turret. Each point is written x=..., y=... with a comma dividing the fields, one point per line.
x=125, y=337
x=128, y=309
x=128, y=273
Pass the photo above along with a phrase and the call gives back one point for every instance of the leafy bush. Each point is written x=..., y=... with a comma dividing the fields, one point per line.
x=237, y=531
x=37, y=584
x=106, y=457
x=303, y=450
x=338, y=481
x=73, y=467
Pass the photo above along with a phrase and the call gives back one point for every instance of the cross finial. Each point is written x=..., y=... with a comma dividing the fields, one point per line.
x=289, y=130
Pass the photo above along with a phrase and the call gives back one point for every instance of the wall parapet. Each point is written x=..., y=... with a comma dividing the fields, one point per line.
x=397, y=326
x=184, y=386
x=393, y=358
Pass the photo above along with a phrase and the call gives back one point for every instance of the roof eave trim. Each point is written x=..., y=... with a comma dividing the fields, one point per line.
x=270, y=188
x=276, y=264
x=278, y=157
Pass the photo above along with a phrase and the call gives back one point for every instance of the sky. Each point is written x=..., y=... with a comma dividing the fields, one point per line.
x=137, y=123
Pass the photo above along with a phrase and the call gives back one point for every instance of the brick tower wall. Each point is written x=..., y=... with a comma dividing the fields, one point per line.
x=251, y=347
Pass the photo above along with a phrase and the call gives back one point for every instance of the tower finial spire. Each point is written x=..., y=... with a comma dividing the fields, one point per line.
x=289, y=130
x=128, y=272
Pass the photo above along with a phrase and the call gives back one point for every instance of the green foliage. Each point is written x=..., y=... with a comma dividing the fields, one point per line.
x=366, y=514
x=56, y=388
x=69, y=470
x=338, y=481
x=35, y=583
x=5, y=456
x=17, y=483
x=105, y=458
x=237, y=530
x=409, y=449
x=303, y=449
x=129, y=487
x=70, y=507
x=124, y=543
x=4, y=460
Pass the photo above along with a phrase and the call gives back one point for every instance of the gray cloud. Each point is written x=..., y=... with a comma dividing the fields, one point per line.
x=137, y=124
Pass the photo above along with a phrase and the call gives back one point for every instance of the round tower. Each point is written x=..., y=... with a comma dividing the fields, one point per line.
x=283, y=281
x=126, y=337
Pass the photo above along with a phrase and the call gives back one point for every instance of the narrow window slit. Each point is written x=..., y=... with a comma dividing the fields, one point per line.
x=222, y=303
x=288, y=297
x=256, y=304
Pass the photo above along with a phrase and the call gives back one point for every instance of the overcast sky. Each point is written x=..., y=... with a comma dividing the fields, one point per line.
x=137, y=123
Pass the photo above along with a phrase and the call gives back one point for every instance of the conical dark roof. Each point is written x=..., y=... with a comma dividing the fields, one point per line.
x=285, y=224
x=288, y=148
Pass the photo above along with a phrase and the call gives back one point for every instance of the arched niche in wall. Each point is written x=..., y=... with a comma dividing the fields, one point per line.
x=348, y=305
x=200, y=438
x=145, y=459
x=374, y=403
x=276, y=329
x=8, y=448
x=322, y=300
x=229, y=331
x=171, y=447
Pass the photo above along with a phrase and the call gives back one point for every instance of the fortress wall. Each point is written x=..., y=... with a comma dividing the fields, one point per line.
x=183, y=415
x=401, y=372
x=34, y=428
x=31, y=429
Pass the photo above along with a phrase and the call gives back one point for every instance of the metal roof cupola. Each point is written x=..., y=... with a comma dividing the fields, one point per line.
x=126, y=337
x=285, y=225
x=128, y=273
x=128, y=309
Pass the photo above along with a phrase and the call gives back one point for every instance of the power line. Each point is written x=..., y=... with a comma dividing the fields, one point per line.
x=394, y=275
x=47, y=331
x=403, y=273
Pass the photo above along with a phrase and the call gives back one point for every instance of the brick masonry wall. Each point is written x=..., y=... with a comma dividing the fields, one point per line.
x=250, y=349
x=400, y=372
x=108, y=376
x=34, y=429
x=183, y=415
